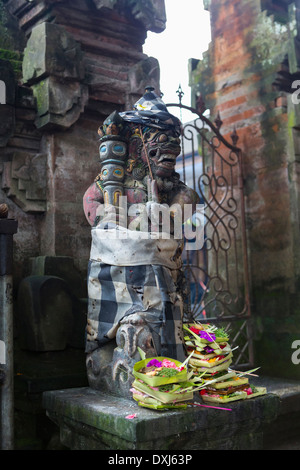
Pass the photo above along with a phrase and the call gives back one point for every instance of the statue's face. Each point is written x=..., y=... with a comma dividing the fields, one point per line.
x=163, y=147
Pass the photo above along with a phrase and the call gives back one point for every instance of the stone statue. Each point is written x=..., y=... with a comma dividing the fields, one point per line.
x=136, y=207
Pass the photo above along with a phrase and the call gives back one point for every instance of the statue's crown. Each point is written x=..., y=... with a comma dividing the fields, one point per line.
x=114, y=127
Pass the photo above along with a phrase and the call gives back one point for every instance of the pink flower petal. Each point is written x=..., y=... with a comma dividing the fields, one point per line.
x=130, y=416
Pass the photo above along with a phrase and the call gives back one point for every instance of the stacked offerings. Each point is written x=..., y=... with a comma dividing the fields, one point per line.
x=211, y=352
x=161, y=383
x=210, y=359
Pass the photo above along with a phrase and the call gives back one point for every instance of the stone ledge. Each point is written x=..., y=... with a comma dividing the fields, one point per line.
x=287, y=390
x=284, y=432
x=91, y=420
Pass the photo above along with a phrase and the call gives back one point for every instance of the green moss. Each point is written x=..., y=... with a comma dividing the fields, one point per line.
x=291, y=119
x=11, y=41
x=15, y=59
x=201, y=80
x=10, y=55
x=269, y=42
x=40, y=92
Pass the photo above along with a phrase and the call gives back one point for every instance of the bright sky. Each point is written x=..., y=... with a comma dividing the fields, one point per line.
x=187, y=35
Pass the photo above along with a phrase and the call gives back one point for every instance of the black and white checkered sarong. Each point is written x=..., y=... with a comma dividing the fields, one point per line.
x=150, y=290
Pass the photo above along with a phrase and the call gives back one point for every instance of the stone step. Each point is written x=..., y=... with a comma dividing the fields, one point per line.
x=91, y=420
x=284, y=431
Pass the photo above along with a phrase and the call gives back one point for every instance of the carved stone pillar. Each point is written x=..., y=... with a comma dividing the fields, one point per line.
x=53, y=66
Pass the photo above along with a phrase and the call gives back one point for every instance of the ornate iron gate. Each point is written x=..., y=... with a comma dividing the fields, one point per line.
x=217, y=274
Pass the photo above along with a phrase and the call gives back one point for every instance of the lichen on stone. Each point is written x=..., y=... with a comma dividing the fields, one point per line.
x=270, y=40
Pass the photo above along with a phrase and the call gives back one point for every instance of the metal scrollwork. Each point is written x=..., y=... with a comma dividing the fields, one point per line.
x=217, y=275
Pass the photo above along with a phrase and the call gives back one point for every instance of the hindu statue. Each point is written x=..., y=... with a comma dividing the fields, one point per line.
x=135, y=208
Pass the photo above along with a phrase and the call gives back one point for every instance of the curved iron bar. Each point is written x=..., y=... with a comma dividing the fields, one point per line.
x=222, y=297
x=208, y=122
x=220, y=218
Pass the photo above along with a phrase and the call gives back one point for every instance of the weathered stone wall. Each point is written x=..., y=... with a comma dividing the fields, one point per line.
x=246, y=75
x=74, y=62
x=67, y=64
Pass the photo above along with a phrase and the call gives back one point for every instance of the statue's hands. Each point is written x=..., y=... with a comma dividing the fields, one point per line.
x=110, y=214
x=156, y=212
x=152, y=191
x=91, y=330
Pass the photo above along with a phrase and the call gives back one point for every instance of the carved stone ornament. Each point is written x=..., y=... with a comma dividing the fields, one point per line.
x=151, y=13
x=24, y=180
x=53, y=66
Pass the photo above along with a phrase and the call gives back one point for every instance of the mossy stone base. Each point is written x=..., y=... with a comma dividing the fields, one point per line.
x=91, y=420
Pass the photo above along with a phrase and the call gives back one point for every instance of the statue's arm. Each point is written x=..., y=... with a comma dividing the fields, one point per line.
x=92, y=199
x=183, y=196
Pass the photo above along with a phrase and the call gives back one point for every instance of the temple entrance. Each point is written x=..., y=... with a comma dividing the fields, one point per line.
x=217, y=274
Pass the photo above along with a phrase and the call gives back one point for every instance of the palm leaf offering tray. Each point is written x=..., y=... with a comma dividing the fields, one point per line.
x=163, y=383
x=158, y=371
x=209, y=348
x=210, y=360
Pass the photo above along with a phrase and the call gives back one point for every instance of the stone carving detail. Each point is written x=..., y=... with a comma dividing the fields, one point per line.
x=144, y=73
x=53, y=66
x=151, y=13
x=24, y=180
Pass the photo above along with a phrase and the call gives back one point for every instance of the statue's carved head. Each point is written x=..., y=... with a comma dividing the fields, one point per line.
x=152, y=137
x=161, y=148
x=155, y=138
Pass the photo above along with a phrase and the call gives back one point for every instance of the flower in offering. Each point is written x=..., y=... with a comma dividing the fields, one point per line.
x=167, y=363
x=207, y=336
x=254, y=391
x=195, y=330
x=154, y=362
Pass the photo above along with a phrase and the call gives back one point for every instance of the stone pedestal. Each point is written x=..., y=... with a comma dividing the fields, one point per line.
x=92, y=420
